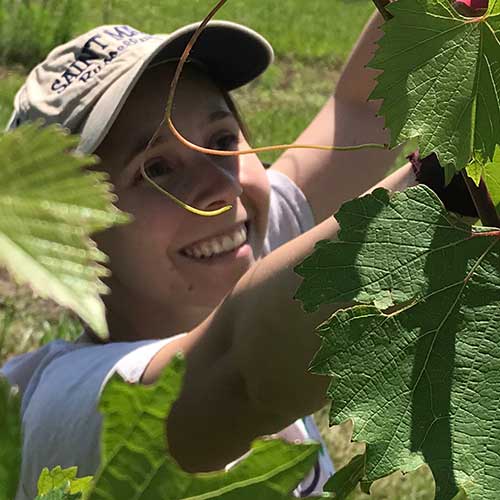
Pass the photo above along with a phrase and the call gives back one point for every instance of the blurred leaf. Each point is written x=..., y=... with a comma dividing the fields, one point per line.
x=135, y=463
x=48, y=209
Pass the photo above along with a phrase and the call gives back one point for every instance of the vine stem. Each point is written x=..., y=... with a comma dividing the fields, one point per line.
x=482, y=201
x=381, y=4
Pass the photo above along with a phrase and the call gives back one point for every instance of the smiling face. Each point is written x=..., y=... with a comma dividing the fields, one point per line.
x=167, y=270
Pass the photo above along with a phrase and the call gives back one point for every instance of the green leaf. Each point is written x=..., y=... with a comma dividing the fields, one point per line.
x=63, y=478
x=475, y=170
x=441, y=79
x=10, y=440
x=136, y=465
x=48, y=209
x=59, y=494
x=418, y=367
x=345, y=480
x=461, y=495
x=491, y=176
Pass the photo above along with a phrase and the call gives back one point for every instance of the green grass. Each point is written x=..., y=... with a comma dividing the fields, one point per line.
x=302, y=29
x=29, y=29
x=10, y=81
x=312, y=39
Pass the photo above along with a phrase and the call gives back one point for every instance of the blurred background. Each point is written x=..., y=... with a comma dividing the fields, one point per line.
x=312, y=40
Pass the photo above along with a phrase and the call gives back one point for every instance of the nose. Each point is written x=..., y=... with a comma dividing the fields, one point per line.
x=215, y=181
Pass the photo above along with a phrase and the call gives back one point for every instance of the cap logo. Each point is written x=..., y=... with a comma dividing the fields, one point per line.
x=97, y=52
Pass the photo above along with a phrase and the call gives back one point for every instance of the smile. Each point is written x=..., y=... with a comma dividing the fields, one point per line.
x=218, y=244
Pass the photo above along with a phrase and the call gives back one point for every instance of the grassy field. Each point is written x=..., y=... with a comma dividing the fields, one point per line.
x=311, y=39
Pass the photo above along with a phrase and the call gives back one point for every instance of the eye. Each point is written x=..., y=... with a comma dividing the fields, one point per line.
x=226, y=142
x=157, y=167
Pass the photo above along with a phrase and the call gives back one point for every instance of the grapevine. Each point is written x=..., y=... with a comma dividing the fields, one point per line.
x=414, y=361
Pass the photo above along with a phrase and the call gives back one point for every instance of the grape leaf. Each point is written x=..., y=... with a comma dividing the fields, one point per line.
x=48, y=209
x=10, y=440
x=417, y=367
x=475, y=170
x=441, y=80
x=135, y=463
x=65, y=479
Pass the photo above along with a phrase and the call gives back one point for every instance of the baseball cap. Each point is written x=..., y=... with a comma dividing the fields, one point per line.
x=83, y=84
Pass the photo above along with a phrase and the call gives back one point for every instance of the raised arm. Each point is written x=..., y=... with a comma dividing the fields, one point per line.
x=348, y=118
x=247, y=362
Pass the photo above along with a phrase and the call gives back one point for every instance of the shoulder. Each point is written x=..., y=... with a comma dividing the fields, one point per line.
x=60, y=404
x=289, y=211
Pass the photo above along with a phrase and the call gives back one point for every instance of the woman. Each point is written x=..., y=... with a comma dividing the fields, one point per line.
x=218, y=288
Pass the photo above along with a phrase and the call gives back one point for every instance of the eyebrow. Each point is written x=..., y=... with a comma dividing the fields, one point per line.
x=220, y=114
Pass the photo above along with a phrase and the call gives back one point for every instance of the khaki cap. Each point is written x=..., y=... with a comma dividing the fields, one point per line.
x=84, y=83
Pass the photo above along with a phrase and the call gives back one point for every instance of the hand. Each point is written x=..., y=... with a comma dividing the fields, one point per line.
x=455, y=196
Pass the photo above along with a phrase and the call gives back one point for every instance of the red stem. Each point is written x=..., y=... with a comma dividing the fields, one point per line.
x=486, y=234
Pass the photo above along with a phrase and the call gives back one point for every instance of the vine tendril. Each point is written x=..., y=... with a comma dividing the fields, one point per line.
x=216, y=152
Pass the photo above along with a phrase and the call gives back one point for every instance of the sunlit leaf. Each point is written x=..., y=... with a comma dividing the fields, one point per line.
x=441, y=79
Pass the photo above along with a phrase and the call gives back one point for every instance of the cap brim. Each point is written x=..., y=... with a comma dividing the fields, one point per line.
x=232, y=54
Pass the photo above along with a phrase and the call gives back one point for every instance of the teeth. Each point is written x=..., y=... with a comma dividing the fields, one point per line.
x=220, y=244
x=227, y=243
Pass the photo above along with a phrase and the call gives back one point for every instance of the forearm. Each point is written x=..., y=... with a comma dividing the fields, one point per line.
x=274, y=338
x=246, y=372
x=329, y=178
x=356, y=81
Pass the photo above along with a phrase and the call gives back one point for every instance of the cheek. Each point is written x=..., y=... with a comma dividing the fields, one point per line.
x=135, y=248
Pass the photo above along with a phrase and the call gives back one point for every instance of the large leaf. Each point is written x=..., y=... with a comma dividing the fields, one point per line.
x=135, y=463
x=421, y=380
x=48, y=209
x=441, y=79
x=10, y=440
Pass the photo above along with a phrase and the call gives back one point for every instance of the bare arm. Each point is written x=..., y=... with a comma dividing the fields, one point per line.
x=327, y=178
x=247, y=362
